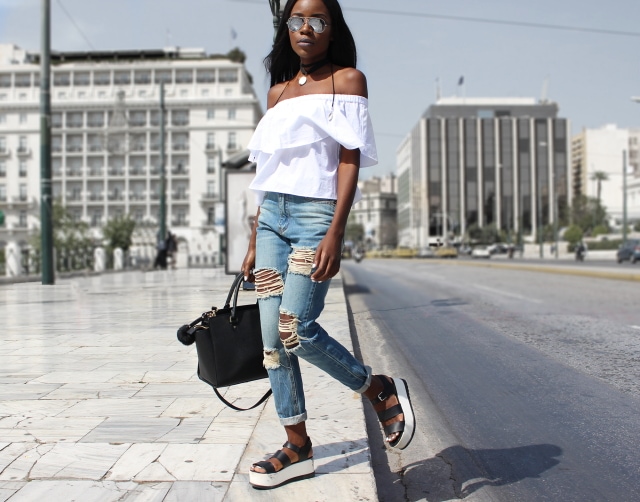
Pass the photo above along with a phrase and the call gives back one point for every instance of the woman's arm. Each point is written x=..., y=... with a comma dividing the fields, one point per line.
x=249, y=261
x=328, y=254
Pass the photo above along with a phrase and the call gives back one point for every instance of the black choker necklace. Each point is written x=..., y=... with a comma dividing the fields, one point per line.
x=308, y=69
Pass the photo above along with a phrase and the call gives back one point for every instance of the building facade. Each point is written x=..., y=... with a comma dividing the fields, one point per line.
x=106, y=143
x=482, y=161
x=377, y=213
x=602, y=150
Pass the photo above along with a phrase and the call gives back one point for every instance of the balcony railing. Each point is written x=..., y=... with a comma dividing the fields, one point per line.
x=74, y=148
x=180, y=171
x=180, y=147
x=115, y=196
x=137, y=196
x=4, y=151
x=74, y=172
x=95, y=123
x=179, y=196
x=96, y=172
x=137, y=171
x=96, y=197
x=116, y=171
x=24, y=150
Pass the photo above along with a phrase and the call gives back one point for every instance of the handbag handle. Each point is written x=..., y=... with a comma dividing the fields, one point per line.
x=262, y=400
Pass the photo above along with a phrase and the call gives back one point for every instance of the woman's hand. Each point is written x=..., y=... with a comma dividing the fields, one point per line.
x=327, y=260
x=248, y=264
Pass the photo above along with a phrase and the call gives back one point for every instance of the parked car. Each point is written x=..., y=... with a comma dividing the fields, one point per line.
x=446, y=252
x=629, y=251
x=498, y=248
x=480, y=252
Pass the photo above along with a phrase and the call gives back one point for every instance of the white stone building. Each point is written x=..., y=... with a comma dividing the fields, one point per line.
x=601, y=150
x=377, y=212
x=106, y=140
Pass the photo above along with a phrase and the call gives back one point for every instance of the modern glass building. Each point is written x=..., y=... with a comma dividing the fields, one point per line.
x=482, y=161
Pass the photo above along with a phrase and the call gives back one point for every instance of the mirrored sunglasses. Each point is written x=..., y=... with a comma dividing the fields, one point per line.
x=317, y=24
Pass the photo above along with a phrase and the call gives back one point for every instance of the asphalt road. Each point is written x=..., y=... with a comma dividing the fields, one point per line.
x=526, y=385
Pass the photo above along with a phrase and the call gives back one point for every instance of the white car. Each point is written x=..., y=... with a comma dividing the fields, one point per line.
x=481, y=252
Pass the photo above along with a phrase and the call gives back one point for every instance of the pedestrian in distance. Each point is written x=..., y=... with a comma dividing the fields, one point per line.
x=172, y=250
x=309, y=147
x=161, y=253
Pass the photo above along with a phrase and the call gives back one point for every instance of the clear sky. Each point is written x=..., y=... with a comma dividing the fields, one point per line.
x=403, y=48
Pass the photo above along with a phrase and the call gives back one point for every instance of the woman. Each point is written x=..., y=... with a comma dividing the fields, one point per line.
x=309, y=147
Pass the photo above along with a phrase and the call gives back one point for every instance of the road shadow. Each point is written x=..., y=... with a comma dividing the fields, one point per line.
x=472, y=469
x=351, y=289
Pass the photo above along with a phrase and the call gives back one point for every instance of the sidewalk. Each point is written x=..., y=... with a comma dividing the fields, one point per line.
x=100, y=402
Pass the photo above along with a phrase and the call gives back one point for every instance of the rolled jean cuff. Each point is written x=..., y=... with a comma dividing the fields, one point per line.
x=294, y=420
x=367, y=383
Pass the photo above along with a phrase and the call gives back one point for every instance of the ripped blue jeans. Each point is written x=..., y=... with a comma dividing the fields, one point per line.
x=290, y=229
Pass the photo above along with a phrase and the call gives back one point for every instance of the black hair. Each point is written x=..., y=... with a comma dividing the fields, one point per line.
x=283, y=63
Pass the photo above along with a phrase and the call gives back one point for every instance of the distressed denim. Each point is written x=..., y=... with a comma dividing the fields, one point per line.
x=289, y=231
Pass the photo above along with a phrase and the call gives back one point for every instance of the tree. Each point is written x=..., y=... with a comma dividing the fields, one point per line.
x=573, y=234
x=118, y=232
x=600, y=230
x=72, y=241
x=599, y=177
x=237, y=55
x=354, y=231
x=588, y=213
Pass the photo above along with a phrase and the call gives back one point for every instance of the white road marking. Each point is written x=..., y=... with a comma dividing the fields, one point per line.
x=510, y=295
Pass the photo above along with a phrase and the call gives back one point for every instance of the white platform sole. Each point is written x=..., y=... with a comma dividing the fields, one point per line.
x=409, y=417
x=295, y=472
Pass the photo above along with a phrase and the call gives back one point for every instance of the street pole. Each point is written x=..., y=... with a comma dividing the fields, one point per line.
x=555, y=212
x=277, y=13
x=624, y=197
x=46, y=203
x=162, y=233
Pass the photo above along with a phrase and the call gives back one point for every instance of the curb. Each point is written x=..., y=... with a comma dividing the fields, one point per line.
x=599, y=274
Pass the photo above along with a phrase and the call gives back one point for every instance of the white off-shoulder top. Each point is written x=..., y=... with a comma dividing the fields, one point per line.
x=296, y=145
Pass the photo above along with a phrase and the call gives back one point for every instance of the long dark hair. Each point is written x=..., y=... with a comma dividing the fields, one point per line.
x=283, y=63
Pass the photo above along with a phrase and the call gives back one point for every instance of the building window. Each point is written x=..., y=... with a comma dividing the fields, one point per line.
x=22, y=96
x=122, y=77
x=96, y=219
x=142, y=93
x=163, y=76
x=23, y=144
x=142, y=77
x=102, y=94
x=22, y=219
x=211, y=165
x=3, y=193
x=23, y=118
x=22, y=169
x=95, y=119
x=3, y=144
x=81, y=78
x=229, y=75
x=62, y=95
x=23, y=192
x=23, y=79
x=61, y=79
x=211, y=141
x=5, y=80
x=231, y=143
x=204, y=93
x=231, y=114
x=211, y=216
x=3, y=118
x=102, y=78
x=74, y=119
x=211, y=188
x=3, y=168
x=205, y=76
x=56, y=119
x=184, y=93
x=211, y=113
x=180, y=117
x=184, y=76
x=3, y=96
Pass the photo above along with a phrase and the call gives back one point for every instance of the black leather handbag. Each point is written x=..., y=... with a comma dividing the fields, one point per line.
x=229, y=345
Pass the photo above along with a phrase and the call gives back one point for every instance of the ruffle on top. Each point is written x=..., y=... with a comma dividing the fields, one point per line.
x=296, y=145
x=309, y=119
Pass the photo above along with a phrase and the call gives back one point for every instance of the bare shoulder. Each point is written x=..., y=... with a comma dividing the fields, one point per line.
x=274, y=93
x=351, y=81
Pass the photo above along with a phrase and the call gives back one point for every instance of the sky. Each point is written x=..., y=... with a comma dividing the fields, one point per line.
x=404, y=48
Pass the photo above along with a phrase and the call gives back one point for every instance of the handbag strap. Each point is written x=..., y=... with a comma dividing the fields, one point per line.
x=235, y=287
x=262, y=400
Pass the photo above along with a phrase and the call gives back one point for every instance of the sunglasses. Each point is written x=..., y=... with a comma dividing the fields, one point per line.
x=315, y=23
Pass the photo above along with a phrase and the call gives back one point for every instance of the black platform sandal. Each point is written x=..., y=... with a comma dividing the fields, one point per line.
x=397, y=387
x=302, y=469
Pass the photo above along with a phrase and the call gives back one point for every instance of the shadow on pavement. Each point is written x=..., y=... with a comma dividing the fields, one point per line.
x=471, y=470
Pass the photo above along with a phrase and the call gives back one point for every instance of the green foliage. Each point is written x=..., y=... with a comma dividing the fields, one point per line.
x=588, y=213
x=600, y=230
x=573, y=234
x=237, y=55
x=605, y=244
x=488, y=234
x=354, y=231
x=118, y=232
x=1, y=217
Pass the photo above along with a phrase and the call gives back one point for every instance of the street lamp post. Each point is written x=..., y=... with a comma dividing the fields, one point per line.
x=276, y=10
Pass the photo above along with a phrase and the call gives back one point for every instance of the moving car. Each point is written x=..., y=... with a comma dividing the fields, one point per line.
x=481, y=252
x=629, y=251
